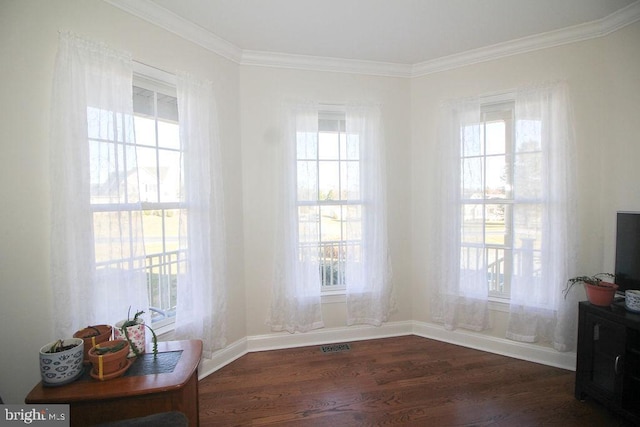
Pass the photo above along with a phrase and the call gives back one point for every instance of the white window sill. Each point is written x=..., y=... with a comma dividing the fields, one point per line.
x=164, y=326
x=499, y=304
x=334, y=297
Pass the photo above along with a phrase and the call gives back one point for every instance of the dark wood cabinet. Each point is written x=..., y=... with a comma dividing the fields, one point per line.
x=608, y=358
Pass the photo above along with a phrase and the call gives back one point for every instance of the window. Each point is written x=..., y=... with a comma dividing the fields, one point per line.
x=334, y=163
x=155, y=151
x=159, y=173
x=487, y=206
x=506, y=225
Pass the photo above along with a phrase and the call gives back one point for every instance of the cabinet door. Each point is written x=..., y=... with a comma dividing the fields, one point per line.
x=631, y=398
x=607, y=354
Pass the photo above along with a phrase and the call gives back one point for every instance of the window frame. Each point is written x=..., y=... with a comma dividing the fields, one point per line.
x=158, y=81
x=499, y=108
x=331, y=113
x=167, y=261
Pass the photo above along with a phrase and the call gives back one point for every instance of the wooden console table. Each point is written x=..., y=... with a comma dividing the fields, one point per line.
x=93, y=402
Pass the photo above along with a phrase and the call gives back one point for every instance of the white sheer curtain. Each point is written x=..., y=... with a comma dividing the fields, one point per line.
x=458, y=271
x=546, y=250
x=97, y=251
x=368, y=271
x=295, y=299
x=201, y=306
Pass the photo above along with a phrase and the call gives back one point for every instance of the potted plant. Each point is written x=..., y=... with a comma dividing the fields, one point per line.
x=93, y=335
x=61, y=361
x=109, y=359
x=599, y=291
x=133, y=330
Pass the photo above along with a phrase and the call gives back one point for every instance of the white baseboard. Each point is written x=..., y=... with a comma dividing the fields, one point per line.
x=524, y=351
x=328, y=336
x=222, y=358
x=275, y=341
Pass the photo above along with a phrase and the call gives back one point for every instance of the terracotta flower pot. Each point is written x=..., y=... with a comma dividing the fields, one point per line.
x=601, y=294
x=92, y=335
x=136, y=336
x=110, y=364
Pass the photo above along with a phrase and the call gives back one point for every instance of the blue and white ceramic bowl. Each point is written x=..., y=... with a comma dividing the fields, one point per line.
x=62, y=367
x=632, y=300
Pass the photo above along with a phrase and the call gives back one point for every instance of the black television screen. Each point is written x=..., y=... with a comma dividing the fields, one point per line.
x=627, y=268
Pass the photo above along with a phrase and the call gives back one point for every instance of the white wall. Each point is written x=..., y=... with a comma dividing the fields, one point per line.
x=619, y=166
x=262, y=91
x=28, y=45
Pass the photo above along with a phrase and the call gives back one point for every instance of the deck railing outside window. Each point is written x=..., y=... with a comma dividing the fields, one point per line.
x=332, y=257
x=161, y=271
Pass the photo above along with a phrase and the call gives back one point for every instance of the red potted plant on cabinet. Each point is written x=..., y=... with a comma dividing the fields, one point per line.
x=599, y=291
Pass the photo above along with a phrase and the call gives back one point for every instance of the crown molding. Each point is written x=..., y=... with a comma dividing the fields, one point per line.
x=175, y=24
x=151, y=12
x=317, y=63
x=576, y=33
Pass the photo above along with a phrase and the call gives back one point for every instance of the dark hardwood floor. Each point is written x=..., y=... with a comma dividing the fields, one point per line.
x=393, y=381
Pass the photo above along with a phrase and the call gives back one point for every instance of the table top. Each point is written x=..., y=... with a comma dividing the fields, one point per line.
x=88, y=389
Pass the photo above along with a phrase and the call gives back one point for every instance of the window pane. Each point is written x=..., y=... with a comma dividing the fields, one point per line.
x=495, y=226
x=172, y=223
x=527, y=239
x=111, y=240
x=472, y=258
x=168, y=135
x=329, y=180
x=330, y=223
x=333, y=122
x=527, y=178
x=496, y=181
x=332, y=263
x=167, y=107
x=497, y=260
x=112, y=175
x=148, y=174
x=127, y=158
x=472, y=223
x=472, y=145
x=306, y=146
x=352, y=222
x=472, y=178
x=125, y=128
x=350, y=181
x=100, y=124
x=351, y=143
x=307, y=175
x=528, y=135
x=169, y=162
x=527, y=223
x=495, y=134
x=308, y=220
x=152, y=223
x=145, y=131
x=101, y=169
x=329, y=148
x=143, y=101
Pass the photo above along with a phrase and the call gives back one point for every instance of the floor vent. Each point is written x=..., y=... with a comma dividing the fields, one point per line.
x=334, y=348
